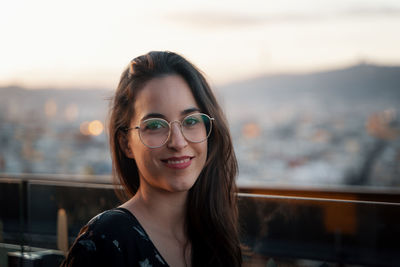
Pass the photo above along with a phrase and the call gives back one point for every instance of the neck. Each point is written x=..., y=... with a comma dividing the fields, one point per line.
x=164, y=210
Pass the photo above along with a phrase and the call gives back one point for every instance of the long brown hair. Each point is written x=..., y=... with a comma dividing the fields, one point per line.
x=211, y=210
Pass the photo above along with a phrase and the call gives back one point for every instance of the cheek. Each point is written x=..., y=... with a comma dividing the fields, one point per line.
x=202, y=150
x=142, y=155
x=146, y=163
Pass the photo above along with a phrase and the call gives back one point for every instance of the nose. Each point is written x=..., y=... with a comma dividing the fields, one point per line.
x=176, y=139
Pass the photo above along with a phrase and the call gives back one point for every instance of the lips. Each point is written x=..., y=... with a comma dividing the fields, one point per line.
x=178, y=162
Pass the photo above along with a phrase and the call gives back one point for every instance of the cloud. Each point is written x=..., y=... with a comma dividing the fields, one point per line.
x=374, y=11
x=222, y=20
x=218, y=20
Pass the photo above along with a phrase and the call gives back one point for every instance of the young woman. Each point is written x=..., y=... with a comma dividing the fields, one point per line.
x=173, y=155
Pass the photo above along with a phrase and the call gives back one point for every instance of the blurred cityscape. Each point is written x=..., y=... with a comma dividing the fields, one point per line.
x=331, y=128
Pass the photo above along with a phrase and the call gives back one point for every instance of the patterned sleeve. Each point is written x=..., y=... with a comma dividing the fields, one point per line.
x=113, y=238
x=91, y=249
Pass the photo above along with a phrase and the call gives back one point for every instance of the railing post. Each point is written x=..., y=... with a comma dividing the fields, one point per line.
x=23, y=213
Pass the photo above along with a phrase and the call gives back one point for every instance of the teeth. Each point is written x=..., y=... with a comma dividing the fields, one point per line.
x=178, y=161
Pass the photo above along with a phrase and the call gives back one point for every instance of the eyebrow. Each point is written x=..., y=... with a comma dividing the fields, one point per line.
x=159, y=115
x=190, y=110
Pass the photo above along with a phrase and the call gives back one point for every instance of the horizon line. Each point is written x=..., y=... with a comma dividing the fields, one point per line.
x=360, y=63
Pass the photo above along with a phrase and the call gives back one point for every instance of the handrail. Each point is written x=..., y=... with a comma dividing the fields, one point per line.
x=343, y=192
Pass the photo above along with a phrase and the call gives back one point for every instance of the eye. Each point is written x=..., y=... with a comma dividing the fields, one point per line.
x=191, y=121
x=153, y=125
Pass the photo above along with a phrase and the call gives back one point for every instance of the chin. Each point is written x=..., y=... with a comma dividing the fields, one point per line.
x=181, y=187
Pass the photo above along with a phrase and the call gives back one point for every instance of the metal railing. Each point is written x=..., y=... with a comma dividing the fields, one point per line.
x=295, y=226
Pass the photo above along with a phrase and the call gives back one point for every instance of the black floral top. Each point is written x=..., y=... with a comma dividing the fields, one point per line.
x=114, y=238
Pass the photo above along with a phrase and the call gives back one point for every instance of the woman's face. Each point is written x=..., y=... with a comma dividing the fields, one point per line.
x=175, y=166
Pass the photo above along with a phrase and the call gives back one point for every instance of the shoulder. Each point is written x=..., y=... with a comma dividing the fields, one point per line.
x=118, y=226
x=112, y=221
x=108, y=238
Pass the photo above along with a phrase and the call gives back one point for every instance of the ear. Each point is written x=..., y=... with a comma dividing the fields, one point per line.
x=124, y=145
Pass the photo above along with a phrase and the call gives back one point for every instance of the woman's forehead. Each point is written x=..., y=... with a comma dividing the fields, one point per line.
x=168, y=95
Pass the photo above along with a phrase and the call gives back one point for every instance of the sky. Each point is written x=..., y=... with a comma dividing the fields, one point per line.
x=87, y=44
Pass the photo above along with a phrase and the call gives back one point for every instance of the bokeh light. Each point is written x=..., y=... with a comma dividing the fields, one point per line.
x=95, y=127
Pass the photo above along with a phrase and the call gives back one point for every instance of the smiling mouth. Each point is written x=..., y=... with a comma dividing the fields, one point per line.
x=178, y=162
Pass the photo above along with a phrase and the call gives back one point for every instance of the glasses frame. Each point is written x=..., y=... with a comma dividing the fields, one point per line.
x=170, y=127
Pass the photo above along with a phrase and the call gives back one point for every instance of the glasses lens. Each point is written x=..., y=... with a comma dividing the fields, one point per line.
x=196, y=128
x=154, y=132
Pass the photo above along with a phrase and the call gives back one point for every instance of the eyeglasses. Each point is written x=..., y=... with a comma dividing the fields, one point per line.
x=155, y=132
